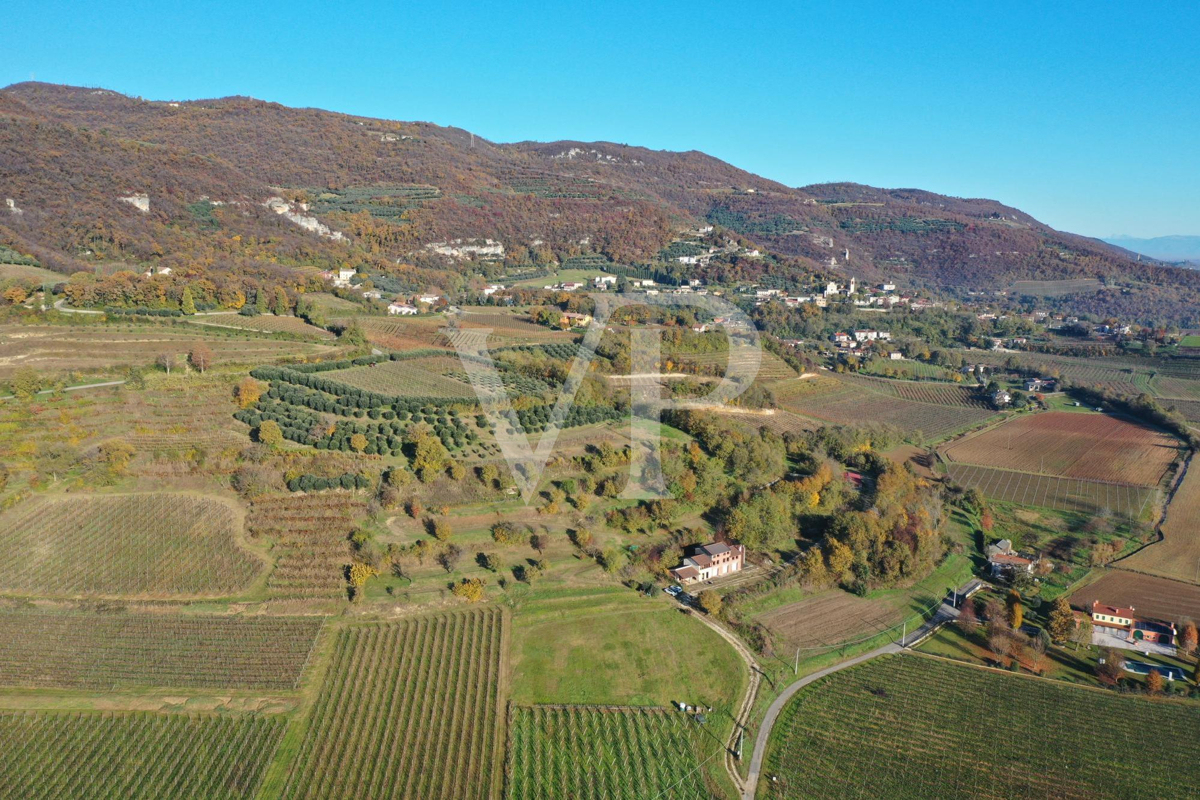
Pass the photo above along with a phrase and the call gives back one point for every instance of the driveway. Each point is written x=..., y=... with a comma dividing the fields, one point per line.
x=1102, y=638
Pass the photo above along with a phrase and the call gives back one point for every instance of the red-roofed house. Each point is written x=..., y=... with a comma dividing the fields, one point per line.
x=1123, y=623
x=710, y=561
x=1005, y=562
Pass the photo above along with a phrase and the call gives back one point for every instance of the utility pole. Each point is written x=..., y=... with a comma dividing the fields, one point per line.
x=796, y=667
x=904, y=634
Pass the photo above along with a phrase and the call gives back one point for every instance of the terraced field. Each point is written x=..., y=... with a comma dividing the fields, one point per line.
x=78, y=650
x=602, y=752
x=91, y=348
x=408, y=709
x=264, y=323
x=1062, y=494
x=311, y=546
x=137, y=544
x=771, y=367
x=1098, y=447
x=134, y=755
x=911, y=727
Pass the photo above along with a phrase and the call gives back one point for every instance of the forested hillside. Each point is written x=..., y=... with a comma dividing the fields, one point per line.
x=374, y=193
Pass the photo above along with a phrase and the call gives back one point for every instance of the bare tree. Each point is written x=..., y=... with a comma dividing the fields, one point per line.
x=165, y=362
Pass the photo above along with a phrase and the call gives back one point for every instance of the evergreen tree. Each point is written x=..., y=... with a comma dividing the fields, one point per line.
x=186, y=304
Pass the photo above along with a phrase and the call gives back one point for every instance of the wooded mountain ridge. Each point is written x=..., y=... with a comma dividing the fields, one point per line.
x=68, y=156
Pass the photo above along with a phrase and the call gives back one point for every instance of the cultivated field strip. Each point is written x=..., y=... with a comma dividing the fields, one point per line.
x=1177, y=556
x=423, y=377
x=310, y=533
x=79, y=650
x=854, y=406
x=1061, y=494
x=909, y=727
x=263, y=323
x=137, y=544
x=940, y=394
x=586, y=752
x=408, y=709
x=1155, y=597
x=1097, y=447
x=134, y=755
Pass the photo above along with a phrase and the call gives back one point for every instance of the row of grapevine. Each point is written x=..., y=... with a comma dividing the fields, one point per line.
x=910, y=727
x=79, y=650
x=583, y=752
x=408, y=709
x=139, y=544
x=134, y=755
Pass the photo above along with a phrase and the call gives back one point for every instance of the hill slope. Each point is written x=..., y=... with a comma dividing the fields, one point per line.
x=386, y=189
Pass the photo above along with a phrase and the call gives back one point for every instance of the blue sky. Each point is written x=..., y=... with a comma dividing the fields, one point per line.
x=1085, y=115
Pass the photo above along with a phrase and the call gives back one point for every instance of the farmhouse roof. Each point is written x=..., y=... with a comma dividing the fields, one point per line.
x=1112, y=611
x=1010, y=559
x=701, y=560
x=715, y=549
x=686, y=572
x=1162, y=628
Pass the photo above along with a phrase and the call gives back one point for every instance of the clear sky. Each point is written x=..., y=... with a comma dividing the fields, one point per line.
x=1086, y=115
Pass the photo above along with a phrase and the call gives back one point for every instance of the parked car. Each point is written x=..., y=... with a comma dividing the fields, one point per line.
x=674, y=591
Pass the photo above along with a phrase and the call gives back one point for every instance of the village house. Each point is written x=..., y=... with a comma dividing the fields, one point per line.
x=1123, y=623
x=430, y=299
x=871, y=336
x=896, y=355
x=1006, y=562
x=571, y=319
x=492, y=288
x=708, y=561
x=604, y=281
x=402, y=309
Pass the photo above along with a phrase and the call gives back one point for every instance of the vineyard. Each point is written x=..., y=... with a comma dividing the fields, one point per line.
x=1178, y=388
x=932, y=393
x=1178, y=554
x=601, y=752
x=1071, y=445
x=310, y=533
x=263, y=323
x=912, y=727
x=408, y=709
x=420, y=377
x=1062, y=494
x=134, y=755
x=771, y=367
x=911, y=370
x=93, y=348
x=74, y=650
x=140, y=544
x=854, y=407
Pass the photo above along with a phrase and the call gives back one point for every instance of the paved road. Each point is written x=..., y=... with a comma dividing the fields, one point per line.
x=944, y=614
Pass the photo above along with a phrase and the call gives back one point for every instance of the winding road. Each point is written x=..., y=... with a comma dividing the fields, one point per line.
x=945, y=613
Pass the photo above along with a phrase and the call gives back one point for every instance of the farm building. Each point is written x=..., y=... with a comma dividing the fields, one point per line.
x=709, y=561
x=1006, y=562
x=571, y=319
x=1123, y=623
x=402, y=309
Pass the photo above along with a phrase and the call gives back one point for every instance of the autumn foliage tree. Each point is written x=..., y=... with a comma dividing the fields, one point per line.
x=1016, y=611
x=1188, y=637
x=469, y=589
x=200, y=357
x=269, y=433
x=249, y=391
x=1062, y=620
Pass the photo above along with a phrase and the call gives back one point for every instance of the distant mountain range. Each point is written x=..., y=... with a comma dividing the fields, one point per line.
x=1164, y=248
x=95, y=178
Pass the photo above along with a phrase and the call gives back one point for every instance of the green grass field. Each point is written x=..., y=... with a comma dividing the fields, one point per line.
x=910, y=727
x=616, y=648
x=584, y=752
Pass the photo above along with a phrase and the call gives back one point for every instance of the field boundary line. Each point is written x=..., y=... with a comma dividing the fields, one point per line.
x=1162, y=519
